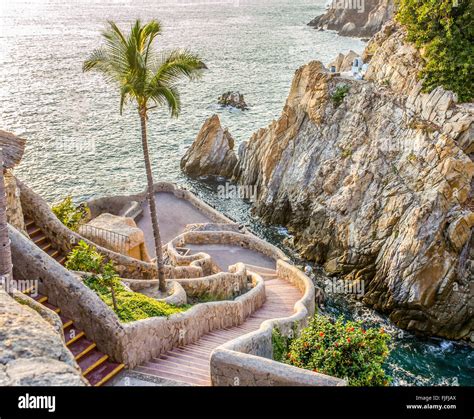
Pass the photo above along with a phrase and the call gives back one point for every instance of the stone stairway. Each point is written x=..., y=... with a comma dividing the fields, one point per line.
x=96, y=366
x=190, y=364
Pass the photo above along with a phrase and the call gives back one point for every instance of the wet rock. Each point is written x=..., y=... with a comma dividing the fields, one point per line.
x=212, y=152
x=233, y=99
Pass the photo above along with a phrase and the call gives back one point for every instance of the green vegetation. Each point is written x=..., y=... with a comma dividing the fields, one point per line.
x=128, y=305
x=131, y=305
x=71, y=215
x=444, y=30
x=341, y=349
x=339, y=94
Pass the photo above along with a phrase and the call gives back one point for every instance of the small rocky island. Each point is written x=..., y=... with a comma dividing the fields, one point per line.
x=233, y=99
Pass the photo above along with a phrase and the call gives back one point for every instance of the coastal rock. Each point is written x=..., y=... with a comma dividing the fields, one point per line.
x=355, y=18
x=31, y=350
x=344, y=62
x=233, y=99
x=377, y=189
x=212, y=152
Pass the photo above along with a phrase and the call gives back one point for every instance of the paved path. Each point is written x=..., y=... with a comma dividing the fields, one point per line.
x=190, y=364
x=173, y=215
x=226, y=254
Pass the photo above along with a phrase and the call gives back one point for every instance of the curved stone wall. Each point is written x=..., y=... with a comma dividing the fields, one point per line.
x=247, y=360
x=135, y=342
x=148, y=338
x=246, y=240
x=64, y=239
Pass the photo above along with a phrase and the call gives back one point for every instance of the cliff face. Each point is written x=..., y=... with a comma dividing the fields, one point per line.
x=353, y=18
x=377, y=188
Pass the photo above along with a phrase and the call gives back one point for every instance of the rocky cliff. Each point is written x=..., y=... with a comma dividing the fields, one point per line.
x=375, y=180
x=212, y=152
x=355, y=18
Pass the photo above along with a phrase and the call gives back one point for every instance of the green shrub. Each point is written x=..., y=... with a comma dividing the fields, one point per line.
x=85, y=258
x=72, y=216
x=339, y=94
x=340, y=349
x=104, y=281
x=445, y=31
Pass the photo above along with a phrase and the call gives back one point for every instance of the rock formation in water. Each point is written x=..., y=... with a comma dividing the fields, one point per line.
x=233, y=99
x=376, y=186
x=212, y=152
x=355, y=18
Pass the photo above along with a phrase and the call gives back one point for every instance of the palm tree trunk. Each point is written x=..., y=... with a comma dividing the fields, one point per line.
x=6, y=266
x=152, y=204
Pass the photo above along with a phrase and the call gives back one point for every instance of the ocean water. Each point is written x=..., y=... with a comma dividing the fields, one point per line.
x=79, y=144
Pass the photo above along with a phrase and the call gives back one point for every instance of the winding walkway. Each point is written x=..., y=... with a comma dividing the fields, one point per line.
x=190, y=364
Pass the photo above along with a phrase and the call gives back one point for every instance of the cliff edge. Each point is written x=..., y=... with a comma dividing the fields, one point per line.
x=376, y=184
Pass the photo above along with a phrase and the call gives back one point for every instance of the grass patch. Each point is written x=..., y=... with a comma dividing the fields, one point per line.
x=131, y=305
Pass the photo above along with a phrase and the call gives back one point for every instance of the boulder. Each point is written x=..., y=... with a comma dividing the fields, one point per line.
x=32, y=353
x=212, y=152
x=116, y=233
x=233, y=99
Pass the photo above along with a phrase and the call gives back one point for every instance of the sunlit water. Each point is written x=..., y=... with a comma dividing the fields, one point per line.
x=79, y=144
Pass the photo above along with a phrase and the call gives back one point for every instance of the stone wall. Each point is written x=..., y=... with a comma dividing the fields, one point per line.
x=246, y=360
x=64, y=239
x=14, y=210
x=135, y=342
x=246, y=240
x=32, y=351
x=151, y=337
x=220, y=286
x=65, y=290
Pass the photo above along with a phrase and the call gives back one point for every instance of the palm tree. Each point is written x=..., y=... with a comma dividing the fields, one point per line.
x=145, y=78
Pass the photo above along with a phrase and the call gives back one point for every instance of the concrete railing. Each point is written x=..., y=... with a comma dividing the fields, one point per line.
x=247, y=360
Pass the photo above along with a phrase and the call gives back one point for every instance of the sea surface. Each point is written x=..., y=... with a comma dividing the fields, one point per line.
x=79, y=144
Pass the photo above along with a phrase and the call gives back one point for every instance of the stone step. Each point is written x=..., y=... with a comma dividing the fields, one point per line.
x=81, y=347
x=190, y=364
x=103, y=373
x=179, y=364
x=93, y=359
x=181, y=376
